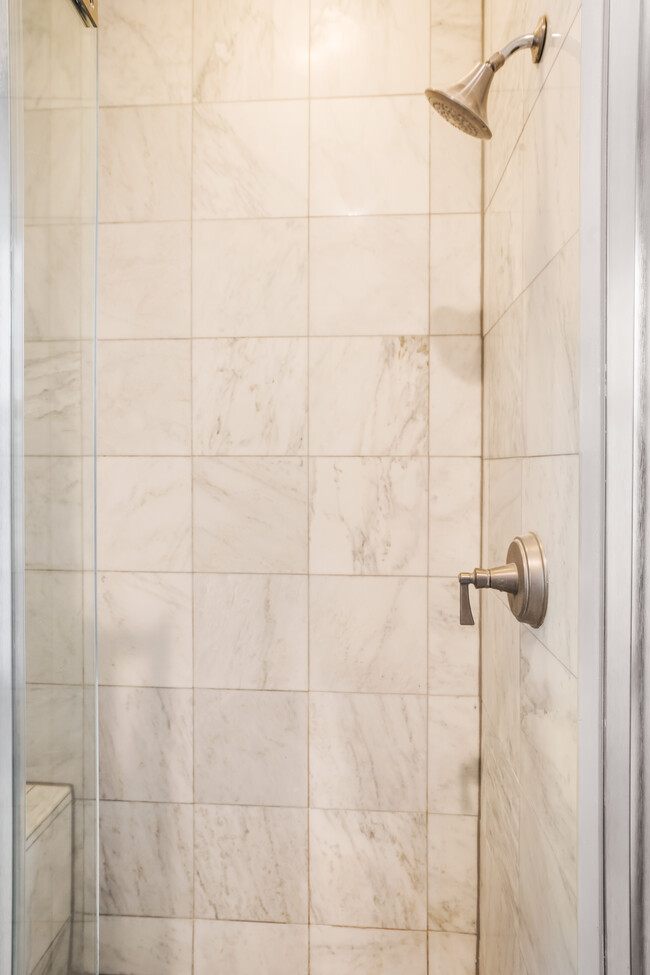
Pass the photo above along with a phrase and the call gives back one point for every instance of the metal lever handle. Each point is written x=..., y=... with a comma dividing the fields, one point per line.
x=524, y=578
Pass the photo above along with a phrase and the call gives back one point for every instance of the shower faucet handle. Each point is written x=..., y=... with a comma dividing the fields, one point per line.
x=524, y=578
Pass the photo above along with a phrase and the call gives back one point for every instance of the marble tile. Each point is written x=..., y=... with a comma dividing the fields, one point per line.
x=251, y=160
x=455, y=396
x=503, y=245
x=367, y=751
x=453, y=873
x=159, y=769
x=251, y=50
x=250, y=632
x=550, y=507
x=144, y=281
x=55, y=734
x=454, y=515
x=368, y=396
x=367, y=869
x=143, y=945
x=368, y=634
x=549, y=748
x=455, y=169
x=234, y=294
x=456, y=29
x=369, y=156
x=455, y=302
x=53, y=513
x=453, y=649
x=146, y=859
x=368, y=275
x=452, y=954
x=240, y=948
x=502, y=498
x=250, y=396
x=136, y=495
x=251, y=864
x=52, y=398
x=52, y=268
x=353, y=49
x=349, y=951
x=507, y=120
x=145, y=53
x=501, y=639
x=250, y=748
x=503, y=383
x=453, y=755
x=48, y=886
x=145, y=628
x=250, y=515
x=551, y=381
x=54, y=627
x=144, y=393
x=145, y=163
x=53, y=143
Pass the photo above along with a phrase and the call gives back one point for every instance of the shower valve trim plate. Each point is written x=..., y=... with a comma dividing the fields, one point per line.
x=524, y=578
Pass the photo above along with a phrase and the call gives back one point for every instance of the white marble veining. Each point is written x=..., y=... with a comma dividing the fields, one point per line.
x=367, y=751
x=146, y=859
x=54, y=627
x=502, y=499
x=367, y=516
x=250, y=632
x=250, y=396
x=453, y=755
x=360, y=951
x=140, y=946
x=500, y=674
x=452, y=954
x=503, y=382
x=55, y=734
x=456, y=27
x=368, y=275
x=251, y=159
x=453, y=650
x=260, y=762
x=368, y=396
x=232, y=295
x=240, y=948
x=158, y=722
x=48, y=885
x=250, y=864
x=251, y=50
x=452, y=873
x=454, y=514
x=144, y=280
x=369, y=156
x=145, y=628
x=368, y=634
x=455, y=396
x=354, y=49
x=455, y=302
x=53, y=513
x=53, y=398
x=250, y=515
x=503, y=251
x=53, y=266
x=368, y=869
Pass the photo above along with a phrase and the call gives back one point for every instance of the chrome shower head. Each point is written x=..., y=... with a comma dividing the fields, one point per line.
x=465, y=103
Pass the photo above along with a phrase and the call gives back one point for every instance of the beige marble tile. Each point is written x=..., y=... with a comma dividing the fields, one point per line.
x=453, y=873
x=53, y=148
x=145, y=53
x=144, y=398
x=500, y=673
x=136, y=496
x=251, y=160
x=48, y=886
x=54, y=734
x=455, y=169
x=251, y=50
x=368, y=634
x=350, y=951
x=146, y=859
x=136, y=946
x=369, y=156
x=455, y=40
x=250, y=632
x=353, y=49
x=503, y=384
x=367, y=516
x=144, y=281
x=249, y=396
x=455, y=396
x=455, y=303
x=453, y=755
x=251, y=864
x=54, y=537
x=250, y=747
x=367, y=751
x=159, y=768
x=454, y=515
x=145, y=164
x=503, y=277
x=53, y=398
x=250, y=515
x=234, y=295
x=452, y=954
x=367, y=869
x=368, y=275
x=453, y=649
x=368, y=396
x=52, y=269
x=240, y=948
x=503, y=501
x=145, y=628
x=54, y=627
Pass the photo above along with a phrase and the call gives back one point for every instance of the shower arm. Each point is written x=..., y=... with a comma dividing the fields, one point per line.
x=527, y=42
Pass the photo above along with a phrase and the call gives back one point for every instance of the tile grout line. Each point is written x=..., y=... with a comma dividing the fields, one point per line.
x=308, y=462
x=428, y=545
x=191, y=341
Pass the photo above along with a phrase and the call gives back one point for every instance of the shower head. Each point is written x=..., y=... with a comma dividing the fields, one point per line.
x=465, y=103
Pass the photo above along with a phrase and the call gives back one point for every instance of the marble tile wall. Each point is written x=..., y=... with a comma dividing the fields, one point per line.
x=289, y=481
x=529, y=692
